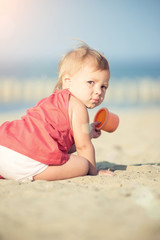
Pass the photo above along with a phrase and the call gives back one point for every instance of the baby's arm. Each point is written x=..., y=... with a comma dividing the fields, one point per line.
x=80, y=124
x=93, y=134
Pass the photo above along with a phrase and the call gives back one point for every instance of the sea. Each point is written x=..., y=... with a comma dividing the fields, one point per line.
x=133, y=84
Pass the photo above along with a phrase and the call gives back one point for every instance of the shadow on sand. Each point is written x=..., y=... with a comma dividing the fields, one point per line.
x=113, y=167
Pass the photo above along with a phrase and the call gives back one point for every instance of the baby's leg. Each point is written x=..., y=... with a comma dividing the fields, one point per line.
x=76, y=166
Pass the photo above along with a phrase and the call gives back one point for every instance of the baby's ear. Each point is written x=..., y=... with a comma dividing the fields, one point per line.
x=66, y=80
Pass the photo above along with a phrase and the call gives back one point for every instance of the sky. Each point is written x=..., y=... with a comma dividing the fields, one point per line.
x=45, y=29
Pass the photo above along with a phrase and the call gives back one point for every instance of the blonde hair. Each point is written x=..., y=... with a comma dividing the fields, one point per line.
x=74, y=60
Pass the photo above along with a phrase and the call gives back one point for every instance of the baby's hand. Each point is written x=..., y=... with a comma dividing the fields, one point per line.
x=93, y=132
x=105, y=172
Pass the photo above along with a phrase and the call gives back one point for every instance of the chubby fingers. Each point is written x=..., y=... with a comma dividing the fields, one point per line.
x=96, y=124
x=106, y=172
x=94, y=132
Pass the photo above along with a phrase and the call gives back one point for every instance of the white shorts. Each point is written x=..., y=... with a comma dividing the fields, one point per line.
x=16, y=166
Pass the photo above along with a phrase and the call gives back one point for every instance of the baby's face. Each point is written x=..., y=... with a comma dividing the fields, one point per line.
x=90, y=86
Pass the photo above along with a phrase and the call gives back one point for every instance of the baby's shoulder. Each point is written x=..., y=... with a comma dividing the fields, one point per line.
x=75, y=103
x=77, y=108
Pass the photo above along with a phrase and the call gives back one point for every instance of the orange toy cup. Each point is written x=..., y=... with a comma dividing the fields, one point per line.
x=109, y=121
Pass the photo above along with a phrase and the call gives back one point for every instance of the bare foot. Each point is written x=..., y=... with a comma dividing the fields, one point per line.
x=106, y=172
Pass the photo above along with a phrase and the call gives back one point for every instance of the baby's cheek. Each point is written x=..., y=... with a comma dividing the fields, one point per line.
x=102, y=98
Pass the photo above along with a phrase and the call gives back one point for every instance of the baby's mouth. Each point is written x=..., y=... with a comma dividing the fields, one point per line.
x=95, y=100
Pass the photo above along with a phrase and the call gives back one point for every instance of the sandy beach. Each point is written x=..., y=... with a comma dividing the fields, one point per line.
x=125, y=206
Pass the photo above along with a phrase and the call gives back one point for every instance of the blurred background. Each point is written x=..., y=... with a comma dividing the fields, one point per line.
x=34, y=35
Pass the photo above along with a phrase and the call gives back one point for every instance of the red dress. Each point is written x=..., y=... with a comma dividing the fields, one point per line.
x=44, y=133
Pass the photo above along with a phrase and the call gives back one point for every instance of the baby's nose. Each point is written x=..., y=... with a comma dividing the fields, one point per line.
x=98, y=91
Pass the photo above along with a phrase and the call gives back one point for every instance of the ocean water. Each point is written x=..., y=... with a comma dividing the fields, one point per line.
x=119, y=69
x=132, y=84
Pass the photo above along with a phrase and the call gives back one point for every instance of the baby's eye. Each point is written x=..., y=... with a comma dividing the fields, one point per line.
x=104, y=87
x=91, y=82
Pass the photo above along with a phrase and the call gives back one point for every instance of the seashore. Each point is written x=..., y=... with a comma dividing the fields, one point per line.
x=125, y=206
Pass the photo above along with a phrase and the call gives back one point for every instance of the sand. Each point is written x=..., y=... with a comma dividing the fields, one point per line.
x=126, y=206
